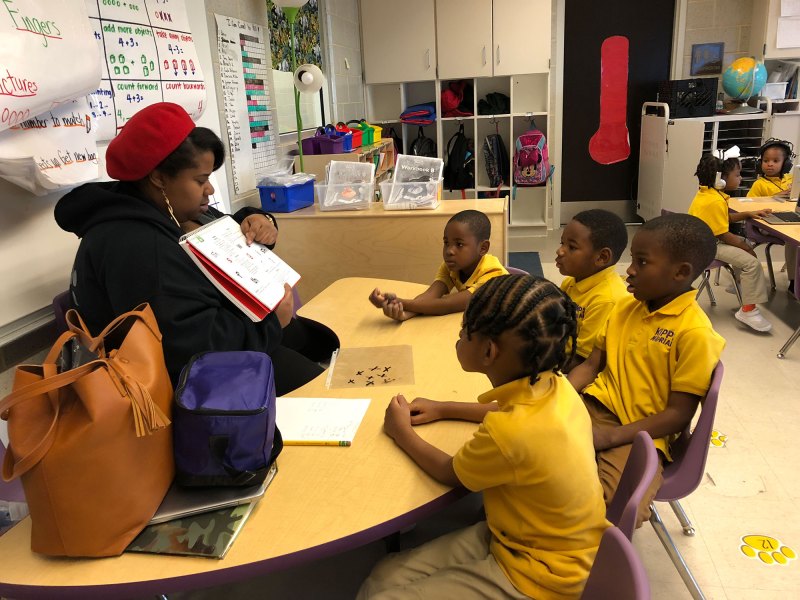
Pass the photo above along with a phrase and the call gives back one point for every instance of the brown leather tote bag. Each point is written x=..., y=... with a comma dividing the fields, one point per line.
x=92, y=443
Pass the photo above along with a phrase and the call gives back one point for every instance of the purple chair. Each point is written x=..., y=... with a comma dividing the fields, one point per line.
x=516, y=271
x=638, y=474
x=61, y=304
x=683, y=475
x=617, y=571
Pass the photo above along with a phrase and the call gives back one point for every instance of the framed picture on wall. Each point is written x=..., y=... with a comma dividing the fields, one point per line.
x=707, y=58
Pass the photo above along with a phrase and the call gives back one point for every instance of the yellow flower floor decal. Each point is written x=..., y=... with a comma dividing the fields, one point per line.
x=767, y=549
x=718, y=439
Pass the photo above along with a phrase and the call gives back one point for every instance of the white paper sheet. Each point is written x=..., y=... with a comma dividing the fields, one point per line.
x=53, y=150
x=47, y=56
x=320, y=419
x=788, y=35
x=790, y=8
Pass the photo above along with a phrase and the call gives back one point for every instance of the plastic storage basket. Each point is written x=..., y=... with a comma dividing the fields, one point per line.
x=411, y=196
x=343, y=196
x=286, y=198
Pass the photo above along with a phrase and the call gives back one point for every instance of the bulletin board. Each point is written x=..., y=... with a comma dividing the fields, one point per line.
x=587, y=24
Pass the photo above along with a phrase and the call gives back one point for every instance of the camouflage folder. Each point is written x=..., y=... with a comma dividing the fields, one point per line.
x=208, y=534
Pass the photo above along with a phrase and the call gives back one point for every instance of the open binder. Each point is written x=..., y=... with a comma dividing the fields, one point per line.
x=251, y=277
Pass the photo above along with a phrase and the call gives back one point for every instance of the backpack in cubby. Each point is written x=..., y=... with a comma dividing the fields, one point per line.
x=531, y=160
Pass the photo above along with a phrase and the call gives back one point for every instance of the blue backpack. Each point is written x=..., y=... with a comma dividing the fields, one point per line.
x=223, y=421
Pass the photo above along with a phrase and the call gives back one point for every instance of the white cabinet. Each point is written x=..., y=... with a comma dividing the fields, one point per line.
x=764, y=31
x=522, y=36
x=464, y=38
x=398, y=40
x=671, y=148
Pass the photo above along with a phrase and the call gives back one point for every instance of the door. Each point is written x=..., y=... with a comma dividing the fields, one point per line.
x=398, y=40
x=521, y=35
x=464, y=38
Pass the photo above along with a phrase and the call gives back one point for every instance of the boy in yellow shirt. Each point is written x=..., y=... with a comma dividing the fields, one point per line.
x=653, y=362
x=467, y=266
x=591, y=245
x=710, y=204
x=531, y=456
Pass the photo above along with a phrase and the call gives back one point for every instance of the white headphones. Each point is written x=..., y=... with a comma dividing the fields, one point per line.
x=720, y=183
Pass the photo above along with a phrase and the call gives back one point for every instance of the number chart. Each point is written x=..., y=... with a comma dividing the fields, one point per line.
x=246, y=85
x=148, y=56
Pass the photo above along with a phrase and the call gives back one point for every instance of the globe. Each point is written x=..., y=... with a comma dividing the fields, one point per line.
x=744, y=78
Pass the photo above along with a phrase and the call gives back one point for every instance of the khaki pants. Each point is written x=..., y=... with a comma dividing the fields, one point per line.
x=752, y=281
x=457, y=565
x=611, y=462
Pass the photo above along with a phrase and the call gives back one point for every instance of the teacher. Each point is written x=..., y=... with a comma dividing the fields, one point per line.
x=129, y=251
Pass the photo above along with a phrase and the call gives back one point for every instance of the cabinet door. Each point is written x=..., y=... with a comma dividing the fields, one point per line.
x=521, y=35
x=464, y=38
x=764, y=31
x=398, y=40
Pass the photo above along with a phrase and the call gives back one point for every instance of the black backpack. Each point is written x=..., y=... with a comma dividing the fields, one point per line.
x=495, y=156
x=423, y=146
x=459, y=170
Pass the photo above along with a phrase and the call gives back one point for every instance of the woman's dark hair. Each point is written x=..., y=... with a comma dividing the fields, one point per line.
x=540, y=314
x=200, y=139
x=707, y=170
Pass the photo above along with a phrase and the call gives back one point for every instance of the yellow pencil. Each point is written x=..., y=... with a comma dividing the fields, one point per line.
x=314, y=443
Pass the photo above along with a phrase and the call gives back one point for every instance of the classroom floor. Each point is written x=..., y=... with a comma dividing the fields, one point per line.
x=751, y=488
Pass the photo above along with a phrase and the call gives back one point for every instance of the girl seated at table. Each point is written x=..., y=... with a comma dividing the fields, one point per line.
x=710, y=205
x=532, y=456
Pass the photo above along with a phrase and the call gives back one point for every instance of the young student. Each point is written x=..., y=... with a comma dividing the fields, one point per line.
x=466, y=267
x=710, y=204
x=591, y=245
x=653, y=362
x=531, y=456
x=774, y=169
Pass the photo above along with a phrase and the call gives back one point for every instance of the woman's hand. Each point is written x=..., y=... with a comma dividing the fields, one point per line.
x=285, y=310
x=424, y=410
x=259, y=228
x=397, y=419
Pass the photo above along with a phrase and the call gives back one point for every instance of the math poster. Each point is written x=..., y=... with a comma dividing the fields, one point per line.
x=246, y=89
x=47, y=56
x=148, y=56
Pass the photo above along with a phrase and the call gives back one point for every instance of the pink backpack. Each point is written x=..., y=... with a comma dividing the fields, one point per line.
x=531, y=161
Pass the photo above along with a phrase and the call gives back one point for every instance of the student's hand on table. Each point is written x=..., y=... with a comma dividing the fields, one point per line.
x=377, y=298
x=259, y=228
x=285, y=310
x=394, y=310
x=397, y=419
x=758, y=214
x=602, y=435
x=424, y=410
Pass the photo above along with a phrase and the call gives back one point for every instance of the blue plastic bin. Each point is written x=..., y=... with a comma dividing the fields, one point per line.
x=286, y=198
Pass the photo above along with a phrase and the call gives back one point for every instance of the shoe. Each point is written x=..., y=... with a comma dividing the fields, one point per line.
x=753, y=319
x=730, y=289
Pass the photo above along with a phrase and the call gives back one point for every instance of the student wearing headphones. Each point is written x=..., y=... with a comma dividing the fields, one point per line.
x=774, y=170
x=711, y=206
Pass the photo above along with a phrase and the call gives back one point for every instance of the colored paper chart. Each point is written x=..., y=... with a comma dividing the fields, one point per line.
x=148, y=56
x=246, y=88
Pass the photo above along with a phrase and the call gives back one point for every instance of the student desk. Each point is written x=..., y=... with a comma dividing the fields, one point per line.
x=324, y=500
x=790, y=233
x=394, y=244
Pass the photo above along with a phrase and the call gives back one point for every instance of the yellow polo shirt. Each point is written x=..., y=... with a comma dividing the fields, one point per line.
x=769, y=186
x=650, y=354
x=487, y=268
x=595, y=297
x=711, y=207
x=534, y=461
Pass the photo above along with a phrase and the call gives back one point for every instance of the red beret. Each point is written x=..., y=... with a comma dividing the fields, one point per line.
x=147, y=138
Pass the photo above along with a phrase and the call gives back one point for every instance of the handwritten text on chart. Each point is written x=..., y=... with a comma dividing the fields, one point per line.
x=32, y=24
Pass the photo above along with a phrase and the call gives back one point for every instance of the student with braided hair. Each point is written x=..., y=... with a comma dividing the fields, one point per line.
x=532, y=457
